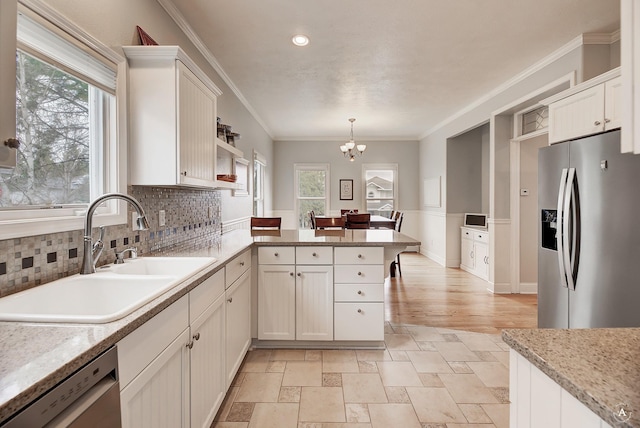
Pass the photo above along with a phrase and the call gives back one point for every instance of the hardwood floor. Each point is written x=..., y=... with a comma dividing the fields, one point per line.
x=431, y=295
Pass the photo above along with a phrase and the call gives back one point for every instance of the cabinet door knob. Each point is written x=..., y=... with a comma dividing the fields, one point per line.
x=230, y=300
x=290, y=273
x=190, y=344
x=184, y=173
x=299, y=274
x=359, y=291
x=359, y=273
x=241, y=263
x=196, y=336
x=607, y=120
x=471, y=254
x=479, y=236
x=359, y=311
x=597, y=123
x=359, y=256
x=276, y=254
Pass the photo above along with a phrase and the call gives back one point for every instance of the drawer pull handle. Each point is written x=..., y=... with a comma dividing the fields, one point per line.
x=315, y=254
x=359, y=291
x=596, y=123
x=290, y=273
x=299, y=274
x=607, y=120
x=479, y=236
x=196, y=336
x=276, y=254
x=359, y=256
x=190, y=344
x=359, y=311
x=241, y=263
x=359, y=273
x=230, y=300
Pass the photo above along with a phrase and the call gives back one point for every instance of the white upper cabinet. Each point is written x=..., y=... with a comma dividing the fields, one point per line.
x=588, y=108
x=630, y=64
x=172, y=105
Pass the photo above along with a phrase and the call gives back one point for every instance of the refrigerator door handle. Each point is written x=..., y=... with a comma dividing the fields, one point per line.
x=560, y=227
x=567, y=231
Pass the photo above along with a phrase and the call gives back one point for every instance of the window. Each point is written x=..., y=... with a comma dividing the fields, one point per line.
x=312, y=192
x=259, y=163
x=66, y=110
x=381, y=188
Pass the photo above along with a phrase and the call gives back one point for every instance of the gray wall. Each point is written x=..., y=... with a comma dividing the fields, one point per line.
x=287, y=153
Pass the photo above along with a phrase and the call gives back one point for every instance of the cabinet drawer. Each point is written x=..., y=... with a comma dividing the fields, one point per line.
x=371, y=274
x=467, y=234
x=205, y=294
x=359, y=321
x=236, y=267
x=145, y=343
x=314, y=255
x=359, y=292
x=276, y=255
x=359, y=255
x=481, y=236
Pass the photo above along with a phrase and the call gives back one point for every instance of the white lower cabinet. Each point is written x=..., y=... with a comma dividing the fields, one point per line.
x=238, y=310
x=537, y=401
x=276, y=302
x=359, y=294
x=314, y=302
x=474, y=252
x=173, y=370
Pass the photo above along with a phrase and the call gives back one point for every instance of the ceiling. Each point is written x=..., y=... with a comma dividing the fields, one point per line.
x=400, y=68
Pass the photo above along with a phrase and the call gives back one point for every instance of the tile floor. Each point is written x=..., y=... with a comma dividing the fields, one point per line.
x=425, y=378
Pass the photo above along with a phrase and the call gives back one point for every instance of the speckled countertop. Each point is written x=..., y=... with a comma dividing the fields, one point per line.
x=600, y=367
x=34, y=357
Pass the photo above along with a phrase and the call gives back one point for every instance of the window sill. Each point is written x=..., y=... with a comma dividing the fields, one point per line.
x=11, y=229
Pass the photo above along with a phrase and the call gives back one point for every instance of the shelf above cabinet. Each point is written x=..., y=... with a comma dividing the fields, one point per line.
x=227, y=150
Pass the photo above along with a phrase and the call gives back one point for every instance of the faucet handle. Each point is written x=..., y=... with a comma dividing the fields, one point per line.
x=120, y=255
x=101, y=233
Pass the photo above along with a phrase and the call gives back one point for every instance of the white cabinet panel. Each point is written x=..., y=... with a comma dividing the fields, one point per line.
x=613, y=104
x=359, y=255
x=359, y=292
x=545, y=400
x=207, y=342
x=359, y=321
x=236, y=267
x=314, y=255
x=364, y=274
x=238, y=324
x=576, y=414
x=314, y=302
x=204, y=294
x=276, y=302
x=156, y=398
x=276, y=255
x=474, y=252
x=577, y=115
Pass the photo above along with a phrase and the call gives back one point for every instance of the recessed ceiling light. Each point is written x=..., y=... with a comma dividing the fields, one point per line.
x=300, y=40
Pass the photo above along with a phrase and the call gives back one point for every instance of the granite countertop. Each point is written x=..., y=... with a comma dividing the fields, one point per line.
x=34, y=357
x=600, y=367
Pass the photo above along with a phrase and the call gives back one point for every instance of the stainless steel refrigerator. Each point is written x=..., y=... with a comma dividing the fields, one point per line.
x=589, y=234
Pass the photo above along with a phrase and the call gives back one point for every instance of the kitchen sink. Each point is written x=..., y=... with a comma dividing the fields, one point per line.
x=108, y=295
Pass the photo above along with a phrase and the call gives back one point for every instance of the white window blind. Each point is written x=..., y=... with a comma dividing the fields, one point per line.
x=39, y=40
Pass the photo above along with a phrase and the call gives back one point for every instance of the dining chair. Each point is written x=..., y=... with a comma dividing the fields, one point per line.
x=400, y=217
x=329, y=222
x=347, y=211
x=392, y=215
x=312, y=219
x=266, y=222
x=358, y=221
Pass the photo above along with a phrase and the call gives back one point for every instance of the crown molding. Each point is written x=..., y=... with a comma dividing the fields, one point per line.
x=596, y=38
x=182, y=23
x=359, y=140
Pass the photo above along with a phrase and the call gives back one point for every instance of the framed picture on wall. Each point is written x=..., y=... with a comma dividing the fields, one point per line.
x=346, y=190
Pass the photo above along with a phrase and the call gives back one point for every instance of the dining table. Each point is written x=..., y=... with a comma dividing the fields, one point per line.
x=378, y=221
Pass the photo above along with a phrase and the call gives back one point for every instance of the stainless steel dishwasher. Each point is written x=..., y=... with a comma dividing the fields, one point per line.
x=89, y=397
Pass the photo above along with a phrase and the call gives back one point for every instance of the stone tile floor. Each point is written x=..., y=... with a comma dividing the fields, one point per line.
x=425, y=378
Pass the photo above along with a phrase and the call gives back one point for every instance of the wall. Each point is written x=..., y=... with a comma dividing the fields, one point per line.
x=404, y=153
x=433, y=147
x=32, y=260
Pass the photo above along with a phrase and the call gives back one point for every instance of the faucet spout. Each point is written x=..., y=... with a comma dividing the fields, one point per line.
x=88, y=261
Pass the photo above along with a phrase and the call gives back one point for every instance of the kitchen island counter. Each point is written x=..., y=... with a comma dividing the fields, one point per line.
x=599, y=367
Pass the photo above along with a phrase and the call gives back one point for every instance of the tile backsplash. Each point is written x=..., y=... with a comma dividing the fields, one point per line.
x=192, y=217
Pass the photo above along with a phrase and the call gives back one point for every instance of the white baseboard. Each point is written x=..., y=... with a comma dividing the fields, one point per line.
x=528, y=288
x=433, y=256
x=499, y=288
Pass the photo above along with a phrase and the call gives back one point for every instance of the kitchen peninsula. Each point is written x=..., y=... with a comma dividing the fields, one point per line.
x=36, y=357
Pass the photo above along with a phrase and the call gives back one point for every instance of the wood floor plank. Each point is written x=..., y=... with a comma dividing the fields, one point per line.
x=431, y=295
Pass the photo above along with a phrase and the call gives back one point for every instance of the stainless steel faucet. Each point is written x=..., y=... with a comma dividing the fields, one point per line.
x=121, y=254
x=92, y=252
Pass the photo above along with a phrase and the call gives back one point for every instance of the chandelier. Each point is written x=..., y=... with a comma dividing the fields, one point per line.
x=349, y=149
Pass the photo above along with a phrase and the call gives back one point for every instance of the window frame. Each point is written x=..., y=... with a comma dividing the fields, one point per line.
x=380, y=166
x=297, y=168
x=16, y=222
x=259, y=165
